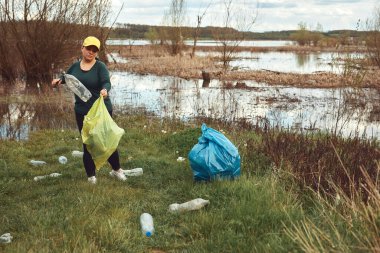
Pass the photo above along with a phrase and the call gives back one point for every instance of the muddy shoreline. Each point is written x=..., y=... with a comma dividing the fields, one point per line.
x=155, y=60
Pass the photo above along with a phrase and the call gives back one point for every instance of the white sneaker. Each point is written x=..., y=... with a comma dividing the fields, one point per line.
x=118, y=174
x=92, y=180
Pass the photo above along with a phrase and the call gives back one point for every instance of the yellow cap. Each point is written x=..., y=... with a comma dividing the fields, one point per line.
x=91, y=41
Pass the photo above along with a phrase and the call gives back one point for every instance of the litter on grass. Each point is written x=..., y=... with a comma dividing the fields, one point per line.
x=133, y=172
x=180, y=159
x=37, y=163
x=6, y=238
x=191, y=205
x=62, y=159
x=37, y=178
x=77, y=153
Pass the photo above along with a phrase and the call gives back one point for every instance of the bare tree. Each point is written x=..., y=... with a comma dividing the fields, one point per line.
x=8, y=70
x=237, y=18
x=198, y=29
x=47, y=33
x=373, y=37
x=174, y=19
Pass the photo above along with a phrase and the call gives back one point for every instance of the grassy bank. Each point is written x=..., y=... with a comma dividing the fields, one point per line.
x=266, y=210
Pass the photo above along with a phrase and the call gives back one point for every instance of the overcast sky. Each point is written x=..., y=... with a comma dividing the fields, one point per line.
x=272, y=15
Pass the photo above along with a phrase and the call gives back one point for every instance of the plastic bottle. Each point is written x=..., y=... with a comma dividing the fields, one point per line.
x=180, y=159
x=146, y=221
x=37, y=178
x=37, y=163
x=77, y=153
x=62, y=159
x=133, y=172
x=191, y=205
x=77, y=87
x=6, y=238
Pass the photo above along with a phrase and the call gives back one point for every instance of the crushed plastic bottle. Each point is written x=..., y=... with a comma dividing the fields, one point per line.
x=6, y=238
x=77, y=153
x=180, y=159
x=191, y=205
x=62, y=159
x=37, y=178
x=133, y=172
x=146, y=221
x=77, y=87
x=37, y=163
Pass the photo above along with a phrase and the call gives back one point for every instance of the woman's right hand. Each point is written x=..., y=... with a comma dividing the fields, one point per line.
x=56, y=82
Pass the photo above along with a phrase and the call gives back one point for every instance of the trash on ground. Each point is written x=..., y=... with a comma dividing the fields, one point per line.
x=46, y=176
x=214, y=157
x=146, y=222
x=133, y=172
x=37, y=163
x=62, y=159
x=6, y=238
x=180, y=159
x=77, y=153
x=191, y=205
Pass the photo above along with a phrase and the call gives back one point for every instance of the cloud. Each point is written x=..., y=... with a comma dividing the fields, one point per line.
x=329, y=2
x=276, y=5
x=273, y=15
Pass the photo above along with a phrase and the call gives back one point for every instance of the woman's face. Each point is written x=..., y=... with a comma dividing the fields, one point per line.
x=89, y=53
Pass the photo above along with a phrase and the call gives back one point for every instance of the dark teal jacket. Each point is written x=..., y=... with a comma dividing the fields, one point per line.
x=96, y=79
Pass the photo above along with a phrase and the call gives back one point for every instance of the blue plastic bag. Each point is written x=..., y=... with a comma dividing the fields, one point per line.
x=214, y=157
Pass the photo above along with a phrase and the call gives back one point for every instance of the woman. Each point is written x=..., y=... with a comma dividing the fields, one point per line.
x=93, y=74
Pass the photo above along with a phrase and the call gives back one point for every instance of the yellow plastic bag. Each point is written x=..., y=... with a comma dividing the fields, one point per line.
x=100, y=133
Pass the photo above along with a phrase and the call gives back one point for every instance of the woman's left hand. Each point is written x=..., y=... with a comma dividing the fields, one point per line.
x=104, y=93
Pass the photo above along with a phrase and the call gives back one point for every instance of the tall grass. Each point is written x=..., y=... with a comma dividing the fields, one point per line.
x=317, y=160
x=347, y=219
x=259, y=212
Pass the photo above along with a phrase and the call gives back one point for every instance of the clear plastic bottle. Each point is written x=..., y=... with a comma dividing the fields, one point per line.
x=37, y=163
x=146, y=221
x=180, y=159
x=77, y=153
x=191, y=205
x=77, y=87
x=62, y=159
x=6, y=238
x=133, y=172
x=37, y=178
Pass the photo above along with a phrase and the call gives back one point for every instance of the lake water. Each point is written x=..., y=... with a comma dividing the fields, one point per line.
x=340, y=110
x=344, y=111
x=290, y=62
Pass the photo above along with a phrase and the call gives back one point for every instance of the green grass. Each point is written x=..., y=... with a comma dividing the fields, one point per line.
x=259, y=212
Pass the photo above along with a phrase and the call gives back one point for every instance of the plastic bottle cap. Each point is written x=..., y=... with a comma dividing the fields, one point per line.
x=148, y=233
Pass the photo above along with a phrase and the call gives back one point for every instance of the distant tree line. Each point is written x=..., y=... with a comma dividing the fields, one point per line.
x=136, y=31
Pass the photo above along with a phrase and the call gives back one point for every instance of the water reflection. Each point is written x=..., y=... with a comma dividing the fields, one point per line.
x=302, y=59
x=342, y=111
x=288, y=62
x=31, y=112
x=304, y=63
